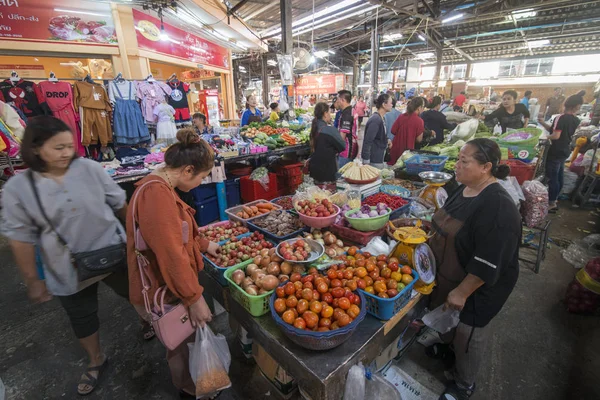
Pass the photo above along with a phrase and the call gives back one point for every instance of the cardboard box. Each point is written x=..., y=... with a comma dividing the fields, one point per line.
x=279, y=378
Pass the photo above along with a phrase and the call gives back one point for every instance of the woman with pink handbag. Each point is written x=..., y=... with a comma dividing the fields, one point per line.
x=164, y=251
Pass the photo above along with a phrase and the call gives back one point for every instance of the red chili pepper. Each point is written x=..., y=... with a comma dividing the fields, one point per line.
x=393, y=202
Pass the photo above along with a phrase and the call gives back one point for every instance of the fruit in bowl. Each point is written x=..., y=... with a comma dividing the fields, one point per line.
x=298, y=250
x=316, y=208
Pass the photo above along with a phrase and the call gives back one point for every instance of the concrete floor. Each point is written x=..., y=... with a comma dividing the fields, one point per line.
x=538, y=351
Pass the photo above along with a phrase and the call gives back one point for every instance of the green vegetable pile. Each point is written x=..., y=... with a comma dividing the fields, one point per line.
x=272, y=142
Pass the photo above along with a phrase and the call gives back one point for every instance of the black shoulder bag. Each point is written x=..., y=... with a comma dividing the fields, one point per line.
x=89, y=263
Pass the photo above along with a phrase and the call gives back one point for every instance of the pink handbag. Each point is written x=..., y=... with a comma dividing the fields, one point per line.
x=171, y=323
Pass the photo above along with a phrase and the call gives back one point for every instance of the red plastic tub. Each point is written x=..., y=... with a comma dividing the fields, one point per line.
x=253, y=190
x=352, y=236
x=520, y=170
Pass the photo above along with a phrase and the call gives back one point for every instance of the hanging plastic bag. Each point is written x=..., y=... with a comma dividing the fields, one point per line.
x=442, y=320
x=283, y=104
x=261, y=175
x=376, y=247
x=209, y=363
x=511, y=185
x=579, y=252
x=535, y=207
x=355, y=383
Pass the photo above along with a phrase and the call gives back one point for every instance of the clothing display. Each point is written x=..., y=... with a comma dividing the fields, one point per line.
x=165, y=127
x=151, y=94
x=94, y=110
x=59, y=98
x=25, y=95
x=128, y=122
x=179, y=101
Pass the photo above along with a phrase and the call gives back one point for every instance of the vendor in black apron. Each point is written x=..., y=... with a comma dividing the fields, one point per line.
x=476, y=247
x=251, y=114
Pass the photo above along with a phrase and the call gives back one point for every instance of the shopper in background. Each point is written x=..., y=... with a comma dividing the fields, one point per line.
x=445, y=107
x=408, y=129
x=199, y=121
x=459, y=101
x=560, y=133
x=436, y=121
x=274, y=112
x=360, y=109
x=347, y=127
x=252, y=114
x=305, y=104
x=493, y=96
x=525, y=99
x=376, y=140
x=509, y=114
x=326, y=143
x=338, y=113
x=77, y=201
x=390, y=118
x=554, y=105
x=170, y=232
x=476, y=246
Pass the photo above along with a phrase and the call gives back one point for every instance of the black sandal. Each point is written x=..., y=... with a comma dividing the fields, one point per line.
x=455, y=392
x=89, y=380
x=147, y=330
x=441, y=351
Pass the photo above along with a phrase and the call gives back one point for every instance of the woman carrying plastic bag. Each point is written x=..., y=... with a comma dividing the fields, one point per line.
x=209, y=363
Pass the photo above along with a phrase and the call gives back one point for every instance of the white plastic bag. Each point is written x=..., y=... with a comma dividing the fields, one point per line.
x=440, y=320
x=376, y=247
x=511, y=185
x=355, y=383
x=209, y=363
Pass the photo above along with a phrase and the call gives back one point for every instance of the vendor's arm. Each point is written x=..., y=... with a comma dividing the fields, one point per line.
x=370, y=134
x=526, y=114
x=245, y=118
x=493, y=114
x=456, y=298
x=161, y=228
x=445, y=124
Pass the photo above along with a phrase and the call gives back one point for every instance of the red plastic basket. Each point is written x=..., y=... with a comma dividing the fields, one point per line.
x=290, y=170
x=253, y=190
x=352, y=236
x=520, y=170
x=289, y=181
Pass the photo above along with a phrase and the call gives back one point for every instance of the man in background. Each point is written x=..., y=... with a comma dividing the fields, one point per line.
x=459, y=101
x=525, y=99
x=199, y=121
x=554, y=104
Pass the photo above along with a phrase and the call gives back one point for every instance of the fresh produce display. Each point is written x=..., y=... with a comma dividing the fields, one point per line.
x=272, y=142
x=250, y=132
x=254, y=211
x=403, y=158
x=303, y=136
x=222, y=232
x=290, y=140
x=381, y=276
x=284, y=202
x=366, y=211
x=359, y=172
x=316, y=208
x=393, y=202
x=582, y=294
x=268, y=130
x=316, y=303
x=297, y=250
x=450, y=165
x=266, y=272
x=333, y=246
x=282, y=131
x=236, y=251
x=279, y=223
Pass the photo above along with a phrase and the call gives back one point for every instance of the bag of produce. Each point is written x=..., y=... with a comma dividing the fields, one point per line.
x=580, y=251
x=583, y=293
x=261, y=175
x=535, y=207
x=209, y=363
x=464, y=131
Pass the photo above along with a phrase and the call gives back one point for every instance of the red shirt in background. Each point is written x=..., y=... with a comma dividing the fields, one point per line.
x=460, y=100
x=406, y=129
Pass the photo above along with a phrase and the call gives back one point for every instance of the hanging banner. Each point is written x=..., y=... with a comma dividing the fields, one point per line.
x=319, y=84
x=82, y=22
x=178, y=43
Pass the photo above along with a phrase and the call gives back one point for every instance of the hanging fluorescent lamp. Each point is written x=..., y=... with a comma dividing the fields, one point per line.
x=424, y=56
x=538, y=43
x=309, y=28
x=392, y=36
x=421, y=37
x=452, y=18
x=331, y=51
x=321, y=53
x=272, y=63
x=523, y=14
x=312, y=59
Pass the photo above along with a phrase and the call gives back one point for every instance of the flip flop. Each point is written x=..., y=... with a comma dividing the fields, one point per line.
x=89, y=380
x=454, y=392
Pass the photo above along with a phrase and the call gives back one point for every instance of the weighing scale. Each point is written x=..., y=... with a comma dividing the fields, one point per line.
x=434, y=193
x=364, y=190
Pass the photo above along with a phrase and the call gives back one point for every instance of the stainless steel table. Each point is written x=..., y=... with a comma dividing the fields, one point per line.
x=321, y=375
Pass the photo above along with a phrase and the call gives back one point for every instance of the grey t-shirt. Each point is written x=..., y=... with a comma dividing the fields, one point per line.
x=81, y=210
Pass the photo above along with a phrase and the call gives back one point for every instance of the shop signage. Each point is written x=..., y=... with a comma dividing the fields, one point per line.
x=24, y=71
x=82, y=22
x=198, y=74
x=179, y=44
x=319, y=84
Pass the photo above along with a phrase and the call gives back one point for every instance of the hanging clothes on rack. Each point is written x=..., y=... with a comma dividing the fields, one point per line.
x=166, y=131
x=94, y=110
x=25, y=95
x=128, y=122
x=151, y=94
x=179, y=101
x=12, y=120
x=58, y=96
x=13, y=148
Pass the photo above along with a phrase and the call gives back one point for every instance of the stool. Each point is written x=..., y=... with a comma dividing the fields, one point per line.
x=543, y=229
x=586, y=191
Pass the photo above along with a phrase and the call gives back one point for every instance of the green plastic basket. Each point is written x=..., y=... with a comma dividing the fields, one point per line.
x=368, y=224
x=528, y=142
x=255, y=305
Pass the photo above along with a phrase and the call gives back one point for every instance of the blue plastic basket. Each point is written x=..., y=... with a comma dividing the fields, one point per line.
x=318, y=340
x=393, y=190
x=385, y=309
x=219, y=272
x=397, y=213
x=417, y=164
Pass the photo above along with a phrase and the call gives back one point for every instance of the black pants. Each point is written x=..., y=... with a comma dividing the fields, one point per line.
x=82, y=307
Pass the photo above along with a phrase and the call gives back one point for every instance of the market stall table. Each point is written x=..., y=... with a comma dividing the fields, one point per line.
x=321, y=374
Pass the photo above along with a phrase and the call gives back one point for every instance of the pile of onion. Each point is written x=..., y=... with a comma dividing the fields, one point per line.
x=333, y=246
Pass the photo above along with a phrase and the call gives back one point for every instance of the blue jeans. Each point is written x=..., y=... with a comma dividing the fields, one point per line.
x=343, y=161
x=555, y=173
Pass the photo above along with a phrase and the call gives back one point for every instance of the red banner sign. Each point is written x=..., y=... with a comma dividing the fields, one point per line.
x=82, y=22
x=178, y=43
x=319, y=84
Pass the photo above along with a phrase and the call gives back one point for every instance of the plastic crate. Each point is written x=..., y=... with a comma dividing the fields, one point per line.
x=273, y=237
x=232, y=191
x=253, y=190
x=232, y=211
x=385, y=309
x=218, y=272
x=221, y=223
x=204, y=191
x=416, y=164
x=289, y=182
x=520, y=170
x=207, y=211
x=290, y=170
x=255, y=305
x=352, y=236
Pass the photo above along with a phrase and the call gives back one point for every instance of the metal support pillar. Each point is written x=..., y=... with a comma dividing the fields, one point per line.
x=469, y=71
x=355, y=72
x=374, y=62
x=287, y=41
x=439, y=53
x=265, y=80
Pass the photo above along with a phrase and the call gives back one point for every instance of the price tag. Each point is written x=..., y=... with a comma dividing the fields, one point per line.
x=96, y=96
x=152, y=93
